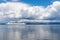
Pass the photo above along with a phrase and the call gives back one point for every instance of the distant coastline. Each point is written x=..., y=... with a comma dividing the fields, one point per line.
x=35, y=22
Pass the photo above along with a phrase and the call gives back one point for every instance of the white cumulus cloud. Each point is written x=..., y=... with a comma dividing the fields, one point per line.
x=23, y=10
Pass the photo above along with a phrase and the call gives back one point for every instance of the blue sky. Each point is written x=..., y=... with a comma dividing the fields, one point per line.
x=38, y=2
x=35, y=2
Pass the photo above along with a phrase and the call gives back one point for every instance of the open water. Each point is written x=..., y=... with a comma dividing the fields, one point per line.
x=29, y=32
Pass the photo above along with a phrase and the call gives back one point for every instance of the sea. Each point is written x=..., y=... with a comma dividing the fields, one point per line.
x=29, y=32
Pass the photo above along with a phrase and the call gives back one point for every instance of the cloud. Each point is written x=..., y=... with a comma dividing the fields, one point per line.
x=23, y=10
x=54, y=10
x=20, y=10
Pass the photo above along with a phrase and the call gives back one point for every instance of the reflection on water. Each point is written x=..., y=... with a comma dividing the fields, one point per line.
x=29, y=32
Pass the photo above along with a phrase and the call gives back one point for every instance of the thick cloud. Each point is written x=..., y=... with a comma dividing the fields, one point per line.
x=23, y=10
x=20, y=10
x=54, y=10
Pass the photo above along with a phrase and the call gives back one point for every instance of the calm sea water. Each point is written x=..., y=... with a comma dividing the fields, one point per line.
x=29, y=32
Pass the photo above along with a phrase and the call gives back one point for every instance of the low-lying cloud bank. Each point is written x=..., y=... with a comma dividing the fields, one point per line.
x=22, y=10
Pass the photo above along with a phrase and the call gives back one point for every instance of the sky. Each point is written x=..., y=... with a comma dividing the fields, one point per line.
x=39, y=2
x=29, y=9
x=34, y=2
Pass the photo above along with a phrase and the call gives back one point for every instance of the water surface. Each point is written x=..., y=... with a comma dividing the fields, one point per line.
x=29, y=32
